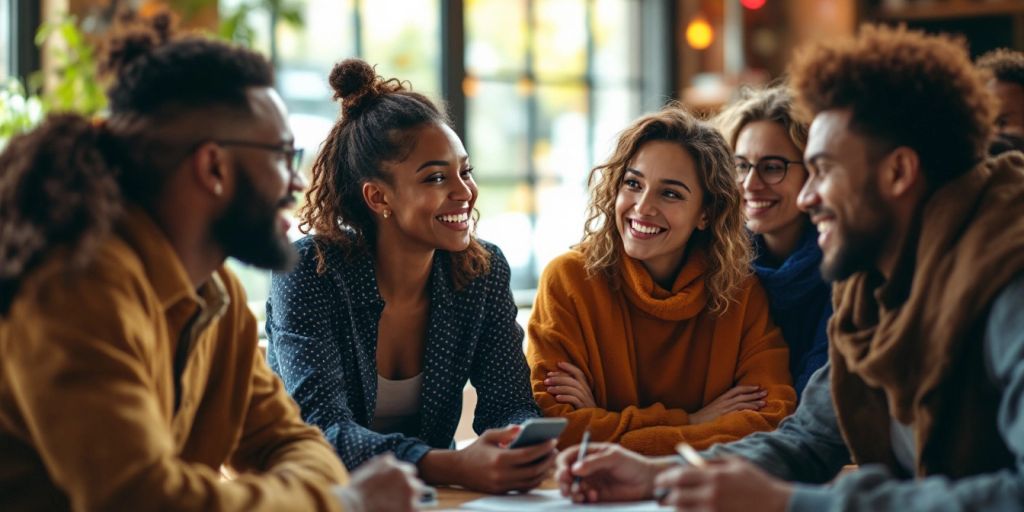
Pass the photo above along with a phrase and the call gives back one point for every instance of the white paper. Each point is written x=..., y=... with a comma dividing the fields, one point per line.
x=551, y=499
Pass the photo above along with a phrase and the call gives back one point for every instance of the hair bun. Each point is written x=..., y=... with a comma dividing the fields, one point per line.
x=132, y=38
x=356, y=84
x=352, y=77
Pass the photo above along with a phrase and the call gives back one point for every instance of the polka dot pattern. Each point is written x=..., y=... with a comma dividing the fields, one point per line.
x=322, y=332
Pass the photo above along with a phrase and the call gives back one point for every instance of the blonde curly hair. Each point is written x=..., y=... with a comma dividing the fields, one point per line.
x=724, y=239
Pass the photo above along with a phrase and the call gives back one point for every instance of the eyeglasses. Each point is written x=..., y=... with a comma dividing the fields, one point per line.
x=770, y=169
x=292, y=155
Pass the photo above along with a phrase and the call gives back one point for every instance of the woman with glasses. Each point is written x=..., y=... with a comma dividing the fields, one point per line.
x=395, y=304
x=652, y=331
x=768, y=144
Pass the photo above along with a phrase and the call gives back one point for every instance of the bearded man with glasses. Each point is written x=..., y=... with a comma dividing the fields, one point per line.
x=129, y=369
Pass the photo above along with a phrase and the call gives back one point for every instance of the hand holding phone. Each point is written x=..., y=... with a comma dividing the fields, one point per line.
x=538, y=430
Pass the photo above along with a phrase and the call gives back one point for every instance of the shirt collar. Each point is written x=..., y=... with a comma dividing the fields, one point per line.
x=164, y=270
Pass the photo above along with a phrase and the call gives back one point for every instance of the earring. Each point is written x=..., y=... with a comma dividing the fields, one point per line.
x=386, y=213
x=218, y=189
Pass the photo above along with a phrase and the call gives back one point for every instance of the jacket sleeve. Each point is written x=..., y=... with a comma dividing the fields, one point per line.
x=873, y=487
x=763, y=361
x=106, y=441
x=807, y=446
x=305, y=344
x=499, y=371
x=557, y=333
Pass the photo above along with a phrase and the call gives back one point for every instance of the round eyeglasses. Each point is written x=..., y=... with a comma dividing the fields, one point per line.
x=770, y=169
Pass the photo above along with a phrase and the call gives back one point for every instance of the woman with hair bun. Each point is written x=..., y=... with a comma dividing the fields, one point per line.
x=395, y=303
x=652, y=331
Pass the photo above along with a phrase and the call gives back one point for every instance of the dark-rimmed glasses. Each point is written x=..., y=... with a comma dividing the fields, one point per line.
x=770, y=169
x=292, y=155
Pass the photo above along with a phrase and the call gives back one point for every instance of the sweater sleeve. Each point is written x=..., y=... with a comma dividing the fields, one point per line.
x=557, y=333
x=499, y=371
x=306, y=350
x=763, y=361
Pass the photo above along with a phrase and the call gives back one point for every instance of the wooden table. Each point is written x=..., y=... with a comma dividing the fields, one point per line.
x=454, y=497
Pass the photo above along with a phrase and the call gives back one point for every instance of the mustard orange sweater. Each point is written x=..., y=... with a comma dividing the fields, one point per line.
x=651, y=356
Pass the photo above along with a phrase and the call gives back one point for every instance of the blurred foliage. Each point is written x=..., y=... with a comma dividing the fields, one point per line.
x=74, y=88
x=19, y=111
x=236, y=26
x=74, y=85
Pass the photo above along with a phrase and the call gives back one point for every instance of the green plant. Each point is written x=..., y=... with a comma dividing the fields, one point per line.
x=236, y=27
x=19, y=111
x=76, y=87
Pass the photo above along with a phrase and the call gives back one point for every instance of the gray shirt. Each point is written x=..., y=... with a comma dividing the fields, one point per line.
x=808, y=448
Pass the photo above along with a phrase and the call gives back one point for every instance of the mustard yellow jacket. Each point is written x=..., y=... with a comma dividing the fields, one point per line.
x=93, y=418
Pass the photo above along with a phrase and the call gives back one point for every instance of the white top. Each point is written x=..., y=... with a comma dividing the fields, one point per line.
x=398, y=405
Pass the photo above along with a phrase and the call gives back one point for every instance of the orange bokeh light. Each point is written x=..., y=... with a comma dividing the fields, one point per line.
x=699, y=33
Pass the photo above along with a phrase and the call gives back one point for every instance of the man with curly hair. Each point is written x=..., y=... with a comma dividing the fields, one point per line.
x=1006, y=68
x=923, y=238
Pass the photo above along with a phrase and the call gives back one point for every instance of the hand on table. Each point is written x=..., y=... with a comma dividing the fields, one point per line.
x=488, y=466
x=609, y=472
x=728, y=484
x=383, y=483
x=569, y=386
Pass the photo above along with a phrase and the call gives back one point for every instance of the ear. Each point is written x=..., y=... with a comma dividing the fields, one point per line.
x=702, y=223
x=211, y=169
x=377, y=196
x=900, y=173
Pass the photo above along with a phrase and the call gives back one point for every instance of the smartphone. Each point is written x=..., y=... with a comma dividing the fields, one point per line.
x=538, y=430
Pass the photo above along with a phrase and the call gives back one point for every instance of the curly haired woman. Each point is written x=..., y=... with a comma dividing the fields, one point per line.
x=652, y=331
x=395, y=303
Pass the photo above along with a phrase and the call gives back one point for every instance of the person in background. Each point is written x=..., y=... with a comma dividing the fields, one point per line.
x=768, y=145
x=925, y=381
x=395, y=303
x=129, y=368
x=1006, y=81
x=652, y=331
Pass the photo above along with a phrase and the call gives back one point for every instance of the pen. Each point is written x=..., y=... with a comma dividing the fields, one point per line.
x=691, y=457
x=579, y=458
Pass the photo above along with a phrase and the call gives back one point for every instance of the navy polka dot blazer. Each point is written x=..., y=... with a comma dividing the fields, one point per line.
x=323, y=338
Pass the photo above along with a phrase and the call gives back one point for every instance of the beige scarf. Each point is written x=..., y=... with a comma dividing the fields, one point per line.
x=911, y=348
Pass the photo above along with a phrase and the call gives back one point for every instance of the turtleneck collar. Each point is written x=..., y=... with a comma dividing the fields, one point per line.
x=686, y=299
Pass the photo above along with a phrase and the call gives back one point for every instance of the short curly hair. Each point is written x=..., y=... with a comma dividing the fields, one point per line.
x=903, y=88
x=1005, y=65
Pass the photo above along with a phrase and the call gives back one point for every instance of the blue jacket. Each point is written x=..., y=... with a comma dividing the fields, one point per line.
x=323, y=338
x=800, y=303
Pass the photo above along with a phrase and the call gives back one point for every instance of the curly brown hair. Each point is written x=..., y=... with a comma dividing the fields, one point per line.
x=63, y=185
x=773, y=104
x=903, y=88
x=378, y=124
x=725, y=239
x=1005, y=65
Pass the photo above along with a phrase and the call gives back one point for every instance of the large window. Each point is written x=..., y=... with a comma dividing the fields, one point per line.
x=547, y=85
x=6, y=39
x=539, y=89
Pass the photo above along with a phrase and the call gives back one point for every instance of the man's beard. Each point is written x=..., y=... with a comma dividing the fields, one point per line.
x=248, y=229
x=859, y=247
